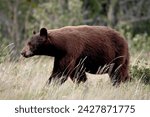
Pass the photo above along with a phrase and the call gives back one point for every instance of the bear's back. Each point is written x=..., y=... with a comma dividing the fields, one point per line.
x=86, y=33
x=88, y=40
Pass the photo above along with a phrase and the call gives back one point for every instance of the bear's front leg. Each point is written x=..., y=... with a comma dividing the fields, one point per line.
x=63, y=67
x=58, y=77
x=57, y=73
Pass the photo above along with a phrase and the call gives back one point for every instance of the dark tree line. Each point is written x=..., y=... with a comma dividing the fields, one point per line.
x=18, y=18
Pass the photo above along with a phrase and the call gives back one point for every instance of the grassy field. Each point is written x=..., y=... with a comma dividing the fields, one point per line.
x=26, y=79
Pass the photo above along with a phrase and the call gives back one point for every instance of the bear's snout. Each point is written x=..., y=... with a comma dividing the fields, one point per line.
x=23, y=54
x=26, y=54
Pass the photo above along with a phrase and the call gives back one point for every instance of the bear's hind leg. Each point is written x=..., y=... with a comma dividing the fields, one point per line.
x=120, y=72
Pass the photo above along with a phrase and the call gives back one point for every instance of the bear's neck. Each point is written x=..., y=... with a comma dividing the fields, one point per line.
x=53, y=49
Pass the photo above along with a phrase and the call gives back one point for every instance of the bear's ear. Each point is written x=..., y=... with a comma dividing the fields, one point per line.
x=43, y=32
x=34, y=32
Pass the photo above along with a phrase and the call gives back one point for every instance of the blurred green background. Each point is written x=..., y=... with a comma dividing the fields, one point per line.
x=18, y=18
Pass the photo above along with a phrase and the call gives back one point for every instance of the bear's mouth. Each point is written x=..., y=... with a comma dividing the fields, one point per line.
x=27, y=55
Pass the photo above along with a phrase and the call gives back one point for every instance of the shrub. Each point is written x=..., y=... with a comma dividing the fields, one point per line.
x=141, y=71
x=138, y=41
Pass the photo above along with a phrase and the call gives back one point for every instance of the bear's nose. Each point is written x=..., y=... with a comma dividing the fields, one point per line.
x=23, y=53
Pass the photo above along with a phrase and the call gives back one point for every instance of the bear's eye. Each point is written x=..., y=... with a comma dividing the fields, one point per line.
x=31, y=46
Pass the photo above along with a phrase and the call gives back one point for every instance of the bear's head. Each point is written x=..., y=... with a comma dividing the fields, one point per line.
x=36, y=45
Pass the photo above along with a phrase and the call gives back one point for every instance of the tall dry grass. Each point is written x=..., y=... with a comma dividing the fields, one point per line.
x=26, y=78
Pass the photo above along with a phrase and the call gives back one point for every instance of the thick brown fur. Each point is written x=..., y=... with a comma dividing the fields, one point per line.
x=82, y=48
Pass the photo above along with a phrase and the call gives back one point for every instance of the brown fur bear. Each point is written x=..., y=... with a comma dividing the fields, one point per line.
x=80, y=49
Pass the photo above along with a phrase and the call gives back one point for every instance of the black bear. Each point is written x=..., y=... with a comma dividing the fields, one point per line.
x=80, y=49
